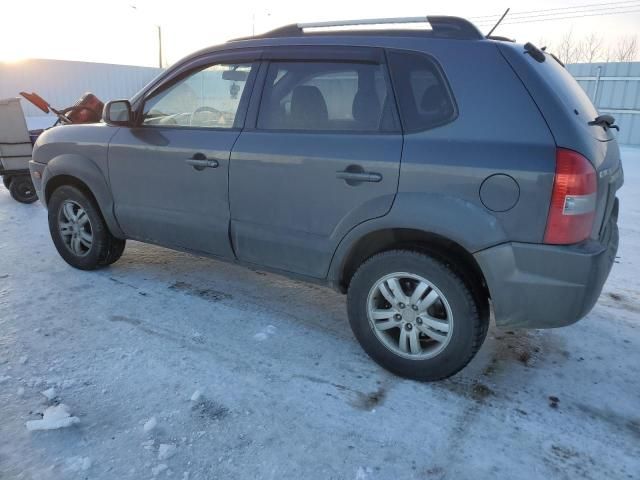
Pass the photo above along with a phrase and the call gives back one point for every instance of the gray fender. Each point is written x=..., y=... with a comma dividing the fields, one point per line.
x=85, y=170
x=465, y=223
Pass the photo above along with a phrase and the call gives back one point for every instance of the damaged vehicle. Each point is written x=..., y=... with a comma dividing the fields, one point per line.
x=432, y=175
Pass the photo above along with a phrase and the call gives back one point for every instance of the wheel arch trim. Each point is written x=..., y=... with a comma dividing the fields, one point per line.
x=69, y=169
x=435, y=220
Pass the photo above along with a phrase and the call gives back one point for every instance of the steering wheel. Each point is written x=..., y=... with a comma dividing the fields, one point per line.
x=202, y=109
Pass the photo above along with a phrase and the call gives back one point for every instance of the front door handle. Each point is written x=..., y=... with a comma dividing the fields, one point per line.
x=355, y=174
x=199, y=161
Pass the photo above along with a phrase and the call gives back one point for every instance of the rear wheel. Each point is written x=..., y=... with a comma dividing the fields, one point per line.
x=79, y=232
x=116, y=249
x=22, y=189
x=414, y=316
x=6, y=180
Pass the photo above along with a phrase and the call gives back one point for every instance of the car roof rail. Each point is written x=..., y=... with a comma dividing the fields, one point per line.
x=500, y=38
x=441, y=27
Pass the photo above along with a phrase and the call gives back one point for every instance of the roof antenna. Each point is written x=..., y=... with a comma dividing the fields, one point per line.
x=499, y=22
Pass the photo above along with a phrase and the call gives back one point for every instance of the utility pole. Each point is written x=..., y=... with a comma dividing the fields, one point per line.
x=159, y=46
x=253, y=21
x=159, y=29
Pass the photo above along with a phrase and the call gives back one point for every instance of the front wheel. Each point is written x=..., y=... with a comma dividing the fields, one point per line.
x=79, y=232
x=22, y=189
x=414, y=316
x=6, y=181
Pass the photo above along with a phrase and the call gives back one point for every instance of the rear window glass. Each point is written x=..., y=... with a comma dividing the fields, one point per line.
x=566, y=87
x=424, y=98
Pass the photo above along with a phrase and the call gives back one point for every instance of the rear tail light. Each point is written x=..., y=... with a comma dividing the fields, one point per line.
x=573, y=201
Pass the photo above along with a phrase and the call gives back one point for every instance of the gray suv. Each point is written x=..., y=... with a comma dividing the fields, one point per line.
x=428, y=174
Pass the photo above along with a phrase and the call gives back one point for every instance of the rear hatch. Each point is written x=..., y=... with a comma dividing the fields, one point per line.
x=569, y=113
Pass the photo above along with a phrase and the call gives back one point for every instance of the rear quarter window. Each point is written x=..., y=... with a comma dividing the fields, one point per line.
x=423, y=94
x=567, y=88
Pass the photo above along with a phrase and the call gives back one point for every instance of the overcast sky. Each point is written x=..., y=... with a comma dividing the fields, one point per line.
x=114, y=32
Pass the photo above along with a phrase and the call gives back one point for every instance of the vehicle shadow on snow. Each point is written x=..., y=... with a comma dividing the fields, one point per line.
x=151, y=270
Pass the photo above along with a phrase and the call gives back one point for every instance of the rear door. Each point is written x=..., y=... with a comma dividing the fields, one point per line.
x=320, y=154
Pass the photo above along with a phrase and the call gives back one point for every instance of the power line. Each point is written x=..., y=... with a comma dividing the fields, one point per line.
x=575, y=7
x=577, y=12
x=534, y=20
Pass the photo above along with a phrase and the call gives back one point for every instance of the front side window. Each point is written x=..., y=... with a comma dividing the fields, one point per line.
x=208, y=98
x=326, y=96
x=423, y=95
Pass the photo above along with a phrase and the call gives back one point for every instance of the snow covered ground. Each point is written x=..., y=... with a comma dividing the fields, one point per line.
x=182, y=367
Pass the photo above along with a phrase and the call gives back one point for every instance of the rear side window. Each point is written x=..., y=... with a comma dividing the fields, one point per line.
x=321, y=96
x=423, y=95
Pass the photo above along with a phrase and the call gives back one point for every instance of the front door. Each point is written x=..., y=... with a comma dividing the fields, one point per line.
x=169, y=174
x=322, y=156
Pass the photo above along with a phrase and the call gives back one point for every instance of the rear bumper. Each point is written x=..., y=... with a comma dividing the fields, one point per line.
x=546, y=286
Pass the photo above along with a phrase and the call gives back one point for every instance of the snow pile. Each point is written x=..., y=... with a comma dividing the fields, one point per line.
x=155, y=471
x=266, y=333
x=148, y=444
x=57, y=416
x=49, y=393
x=363, y=473
x=78, y=464
x=166, y=450
x=150, y=424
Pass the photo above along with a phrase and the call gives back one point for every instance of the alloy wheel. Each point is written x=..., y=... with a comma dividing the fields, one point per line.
x=75, y=228
x=410, y=315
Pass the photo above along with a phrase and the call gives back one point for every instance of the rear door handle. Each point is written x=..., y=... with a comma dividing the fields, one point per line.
x=199, y=161
x=353, y=176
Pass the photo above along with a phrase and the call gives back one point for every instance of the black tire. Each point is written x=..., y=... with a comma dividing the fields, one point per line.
x=6, y=180
x=22, y=189
x=104, y=249
x=470, y=323
x=116, y=249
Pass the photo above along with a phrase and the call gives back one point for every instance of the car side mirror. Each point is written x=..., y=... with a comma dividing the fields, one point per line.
x=117, y=112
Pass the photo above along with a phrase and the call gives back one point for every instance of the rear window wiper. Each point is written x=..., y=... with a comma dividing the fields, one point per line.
x=605, y=121
x=557, y=59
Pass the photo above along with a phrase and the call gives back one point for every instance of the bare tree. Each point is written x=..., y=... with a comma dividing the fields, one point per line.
x=542, y=43
x=590, y=49
x=608, y=55
x=626, y=49
x=567, y=48
x=593, y=48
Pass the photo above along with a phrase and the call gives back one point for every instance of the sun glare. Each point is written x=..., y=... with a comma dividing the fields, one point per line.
x=13, y=57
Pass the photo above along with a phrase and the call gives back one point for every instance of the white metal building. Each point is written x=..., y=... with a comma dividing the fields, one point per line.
x=62, y=82
x=614, y=88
